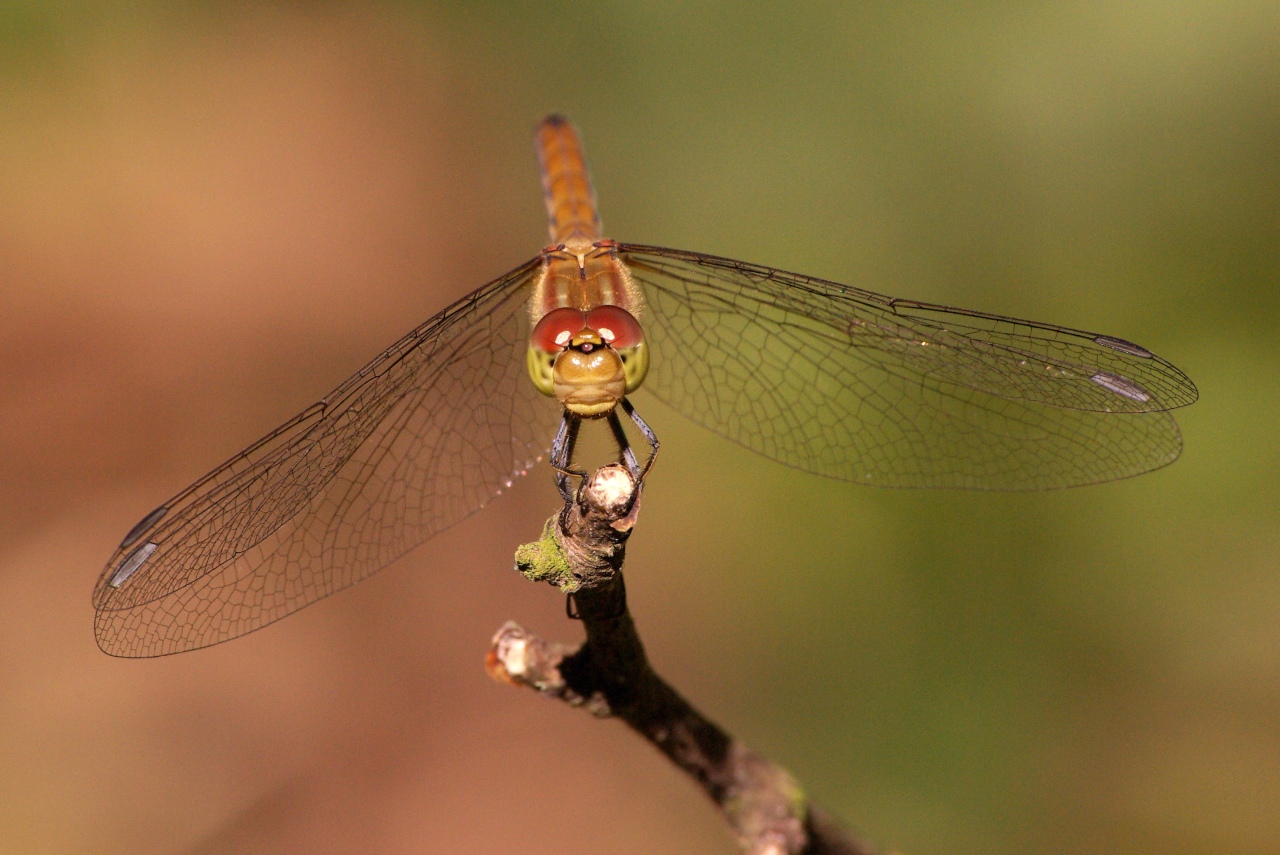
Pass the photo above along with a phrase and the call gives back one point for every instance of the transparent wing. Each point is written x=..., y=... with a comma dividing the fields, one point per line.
x=854, y=385
x=418, y=439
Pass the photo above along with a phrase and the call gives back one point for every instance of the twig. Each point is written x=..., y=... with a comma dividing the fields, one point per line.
x=581, y=551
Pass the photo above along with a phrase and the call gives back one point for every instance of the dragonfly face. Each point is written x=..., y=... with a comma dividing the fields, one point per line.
x=588, y=360
x=586, y=348
x=828, y=378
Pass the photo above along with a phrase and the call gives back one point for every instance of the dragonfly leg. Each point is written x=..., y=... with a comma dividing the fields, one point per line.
x=624, y=447
x=648, y=434
x=562, y=454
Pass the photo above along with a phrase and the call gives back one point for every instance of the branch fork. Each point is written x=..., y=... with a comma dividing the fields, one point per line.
x=581, y=551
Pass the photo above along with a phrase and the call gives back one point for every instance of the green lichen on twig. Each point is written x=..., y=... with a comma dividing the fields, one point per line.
x=581, y=552
x=798, y=799
x=764, y=800
x=544, y=560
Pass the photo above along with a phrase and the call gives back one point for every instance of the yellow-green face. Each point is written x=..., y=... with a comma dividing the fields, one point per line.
x=587, y=360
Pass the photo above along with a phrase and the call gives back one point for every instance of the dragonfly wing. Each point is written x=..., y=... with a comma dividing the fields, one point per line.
x=862, y=387
x=418, y=439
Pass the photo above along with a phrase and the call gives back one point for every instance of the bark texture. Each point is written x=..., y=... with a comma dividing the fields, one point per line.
x=582, y=551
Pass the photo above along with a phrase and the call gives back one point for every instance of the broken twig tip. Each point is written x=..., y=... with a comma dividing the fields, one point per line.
x=581, y=551
x=506, y=660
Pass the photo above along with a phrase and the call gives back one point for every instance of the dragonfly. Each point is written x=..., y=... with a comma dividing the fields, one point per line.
x=830, y=379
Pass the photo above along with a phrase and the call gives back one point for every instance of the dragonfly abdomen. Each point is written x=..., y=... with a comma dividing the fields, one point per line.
x=566, y=185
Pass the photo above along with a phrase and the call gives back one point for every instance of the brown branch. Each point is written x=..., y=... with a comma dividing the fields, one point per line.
x=581, y=551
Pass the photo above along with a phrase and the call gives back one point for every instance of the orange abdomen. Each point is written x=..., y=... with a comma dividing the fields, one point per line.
x=566, y=186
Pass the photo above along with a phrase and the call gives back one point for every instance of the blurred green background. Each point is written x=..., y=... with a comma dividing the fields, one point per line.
x=212, y=213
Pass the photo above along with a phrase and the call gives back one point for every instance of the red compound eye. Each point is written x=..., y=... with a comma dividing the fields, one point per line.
x=557, y=327
x=616, y=326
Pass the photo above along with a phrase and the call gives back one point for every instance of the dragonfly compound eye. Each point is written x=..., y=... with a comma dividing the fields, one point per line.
x=550, y=337
x=616, y=326
x=621, y=331
x=563, y=329
x=556, y=329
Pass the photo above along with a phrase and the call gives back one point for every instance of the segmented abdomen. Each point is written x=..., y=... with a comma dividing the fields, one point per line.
x=566, y=186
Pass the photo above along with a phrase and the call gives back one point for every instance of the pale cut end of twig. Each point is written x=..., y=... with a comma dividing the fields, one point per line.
x=611, y=490
x=507, y=660
x=610, y=487
x=581, y=551
x=520, y=658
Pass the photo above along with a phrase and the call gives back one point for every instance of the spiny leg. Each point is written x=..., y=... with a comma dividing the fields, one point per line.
x=649, y=437
x=562, y=453
x=624, y=447
x=560, y=450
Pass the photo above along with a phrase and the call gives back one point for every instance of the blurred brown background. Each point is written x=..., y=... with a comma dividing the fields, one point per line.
x=210, y=214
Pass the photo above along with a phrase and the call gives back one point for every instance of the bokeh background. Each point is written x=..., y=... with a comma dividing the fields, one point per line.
x=211, y=213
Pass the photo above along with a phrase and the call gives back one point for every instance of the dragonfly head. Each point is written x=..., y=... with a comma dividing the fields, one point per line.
x=588, y=360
